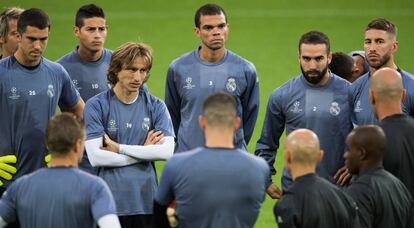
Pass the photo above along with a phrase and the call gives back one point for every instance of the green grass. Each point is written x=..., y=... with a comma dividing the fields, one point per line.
x=265, y=32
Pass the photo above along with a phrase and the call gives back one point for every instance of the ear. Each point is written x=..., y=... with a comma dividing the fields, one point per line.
x=320, y=155
x=202, y=122
x=1, y=40
x=236, y=125
x=76, y=30
x=362, y=153
x=395, y=47
x=404, y=93
x=329, y=57
x=197, y=32
x=371, y=97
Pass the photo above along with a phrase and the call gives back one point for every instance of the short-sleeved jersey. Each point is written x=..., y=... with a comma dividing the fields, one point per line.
x=312, y=201
x=383, y=200
x=133, y=186
x=399, y=148
x=57, y=197
x=361, y=111
x=28, y=99
x=90, y=78
x=214, y=187
x=322, y=109
x=190, y=80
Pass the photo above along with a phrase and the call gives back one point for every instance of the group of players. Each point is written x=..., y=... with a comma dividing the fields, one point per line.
x=207, y=120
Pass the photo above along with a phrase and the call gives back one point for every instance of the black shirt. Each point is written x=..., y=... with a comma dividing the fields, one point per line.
x=312, y=201
x=383, y=200
x=399, y=148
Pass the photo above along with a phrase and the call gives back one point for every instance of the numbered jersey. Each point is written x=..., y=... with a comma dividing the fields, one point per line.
x=28, y=99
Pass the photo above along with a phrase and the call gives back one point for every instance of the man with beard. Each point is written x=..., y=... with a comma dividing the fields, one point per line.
x=316, y=100
x=380, y=46
x=208, y=69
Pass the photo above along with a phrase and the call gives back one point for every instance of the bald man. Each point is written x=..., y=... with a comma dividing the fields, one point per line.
x=386, y=95
x=383, y=200
x=311, y=201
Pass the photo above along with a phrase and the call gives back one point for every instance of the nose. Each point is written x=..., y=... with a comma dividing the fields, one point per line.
x=313, y=64
x=139, y=76
x=37, y=45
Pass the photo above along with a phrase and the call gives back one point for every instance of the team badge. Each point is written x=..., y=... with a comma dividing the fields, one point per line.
x=358, y=106
x=146, y=124
x=189, y=84
x=14, y=94
x=112, y=126
x=50, y=91
x=335, y=109
x=231, y=85
x=76, y=84
x=296, y=108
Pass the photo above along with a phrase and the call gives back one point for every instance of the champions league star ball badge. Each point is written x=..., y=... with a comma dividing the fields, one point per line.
x=335, y=109
x=231, y=85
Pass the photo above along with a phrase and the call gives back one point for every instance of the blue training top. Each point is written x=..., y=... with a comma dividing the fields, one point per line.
x=214, y=187
x=57, y=197
x=322, y=109
x=190, y=80
x=28, y=99
x=133, y=186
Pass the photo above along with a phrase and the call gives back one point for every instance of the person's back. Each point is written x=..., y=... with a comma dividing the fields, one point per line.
x=399, y=148
x=74, y=195
x=384, y=201
x=312, y=201
x=217, y=187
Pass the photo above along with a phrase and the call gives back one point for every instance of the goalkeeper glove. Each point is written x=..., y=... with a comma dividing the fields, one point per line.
x=7, y=170
x=48, y=158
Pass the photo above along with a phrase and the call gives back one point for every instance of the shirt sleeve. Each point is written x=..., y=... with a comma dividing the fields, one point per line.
x=165, y=190
x=172, y=99
x=162, y=151
x=102, y=200
x=250, y=103
x=8, y=207
x=69, y=95
x=98, y=157
x=273, y=127
x=162, y=120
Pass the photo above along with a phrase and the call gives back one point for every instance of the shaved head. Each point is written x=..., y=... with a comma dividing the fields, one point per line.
x=303, y=147
x=386, y=85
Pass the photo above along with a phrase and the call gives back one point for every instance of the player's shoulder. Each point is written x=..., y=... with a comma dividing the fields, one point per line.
x=69, y=57
x=186, y=58
x=291, y=86
x=360, y=82
x=255, y=160
x=6, y=64
x=240, y=60
x=87, y=178
x=53, y=67
x=180, y=160
x=100, y=99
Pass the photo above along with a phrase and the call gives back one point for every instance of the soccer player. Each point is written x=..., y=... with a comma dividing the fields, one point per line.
x=386, y=94
x=127, y=128
x=31, y=87
x=380, y=46
x=342, y=65
x=383, y=200
x=9, y=37
x=61, y=195
x=361, y=66
x=316, y=100
x=311, y=201
x=216, y=185
x=88, y=63
x=210, y=68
